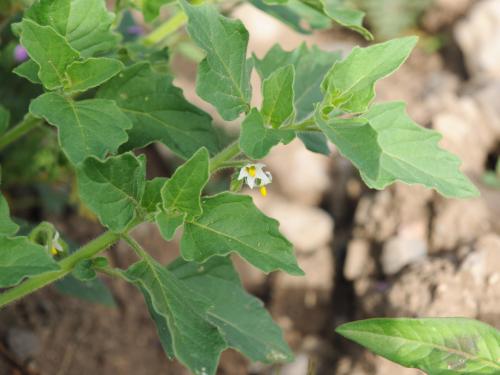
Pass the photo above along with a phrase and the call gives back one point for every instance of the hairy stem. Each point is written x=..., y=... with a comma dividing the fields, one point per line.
x=166, y=29
x=94, y=247
x=29, y=123
x=230, y=152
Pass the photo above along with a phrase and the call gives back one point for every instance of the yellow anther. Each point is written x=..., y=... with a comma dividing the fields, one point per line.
x=54, y=251
x=252, y=171
x=263, y=191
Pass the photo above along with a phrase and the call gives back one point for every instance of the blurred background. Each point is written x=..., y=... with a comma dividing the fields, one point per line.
x=404, y=251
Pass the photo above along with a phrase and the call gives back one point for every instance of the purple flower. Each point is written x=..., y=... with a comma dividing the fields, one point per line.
x=20, y=53
x=135, y=30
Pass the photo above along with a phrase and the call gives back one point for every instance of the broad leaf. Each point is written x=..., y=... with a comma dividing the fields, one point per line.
x=241, y=318
x=356, y=140
x=50, y=51
x=231, y=223
x=159, y=112
x=7, y=226
x=195, y=342
x=92, y=127
x=84, y=24
x=20, y=258
x=411, y=154
x=182, y=192
x=310, y=65
x=92, y=72
x=94, y=291
x=315, y=142
x=29, y=70
x=256, y=140
x=438, y=346
x=350, y=84
x=113, y=188
x=224, y=75
x=278, y=96
x=168, y=222
x=346, y=16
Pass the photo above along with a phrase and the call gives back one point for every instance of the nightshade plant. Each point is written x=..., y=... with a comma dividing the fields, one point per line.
x=107, y=96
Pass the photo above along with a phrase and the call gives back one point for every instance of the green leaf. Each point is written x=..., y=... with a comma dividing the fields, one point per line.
x=20, y=258
x=94, y=291
x=152, y=194
x=411, y=154
x=315, y=142
x=159, y=112
x=345, y=16
x=92, y=72
x=278, y=96
x=7, y=226
x=256, y=140
x=356, y=140
x=92, y=127
x=350, y=84
x=168, y=222
x=282, y=13
x=195, y=342
x=113, y=188
x=4, y=119
x=241, y=318
x=311, y=65
x=231, y=223
x=50, y=51
x=29, y=70
x=182, y=192
x=84, y=24
x=438, y=346
x=84, y=270
x=223, y=78
x=151, y=8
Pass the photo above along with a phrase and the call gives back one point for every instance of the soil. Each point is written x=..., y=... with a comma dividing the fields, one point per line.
x=400, y=252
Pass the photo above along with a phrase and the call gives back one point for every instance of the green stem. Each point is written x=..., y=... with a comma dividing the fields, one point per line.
x=67, y=264
x=224, y=156
x=19, y=130
x=141, y=253
x=166, y=29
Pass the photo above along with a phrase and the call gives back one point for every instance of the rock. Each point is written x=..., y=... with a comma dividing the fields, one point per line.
x=300, y=175
x=458, y=222
x=308, y=228
x=475, y=36
x=443, y=13
x=298, y=366
x=400, y=251
x=486, y=98
x=358, y=262
x=23, y=343
x=483, y=263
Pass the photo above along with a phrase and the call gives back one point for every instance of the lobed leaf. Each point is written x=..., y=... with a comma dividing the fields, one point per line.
x=224, y=74
x=29, y=70
x=159, y=112
x=21, y=258
x=438, y=346
x=350, y=84
x=231, y=223
x=113, y=188
x=256, y=140
x=90, y=73
x=92, y=127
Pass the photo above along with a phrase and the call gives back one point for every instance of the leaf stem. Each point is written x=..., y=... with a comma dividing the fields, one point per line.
x=224, y=156
x=28, y=123
x=141, y=253
x=92, y=248
x=169, y=27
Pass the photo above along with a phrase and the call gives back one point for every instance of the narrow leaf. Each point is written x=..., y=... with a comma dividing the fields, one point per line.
x=438, y=346
x=350, y=84
x=20, y=258
x=224, y=75
x=113, y=188
x=256, y=140
x=231, y=223
x=92, y=127
x=278, y=96
x=182, y=192
x=159, y=112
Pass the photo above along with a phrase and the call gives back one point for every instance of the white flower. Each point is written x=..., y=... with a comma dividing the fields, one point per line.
x=254, y=175
x=56, y=245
